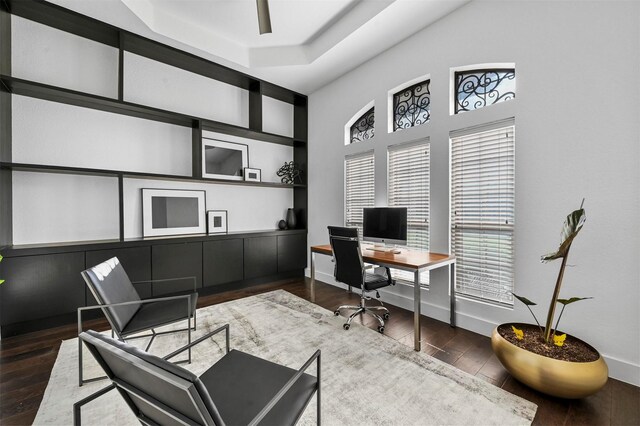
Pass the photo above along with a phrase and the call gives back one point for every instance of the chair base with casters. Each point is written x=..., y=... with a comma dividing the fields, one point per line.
x=239, y=389
x=380, y=313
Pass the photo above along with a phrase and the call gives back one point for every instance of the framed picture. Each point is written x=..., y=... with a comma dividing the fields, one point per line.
x=224, y=160
x=217, y=222
x=252, y=175
x=173, y=212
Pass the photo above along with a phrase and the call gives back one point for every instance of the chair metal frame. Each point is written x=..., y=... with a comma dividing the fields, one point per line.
x=123, y=336
x=179, y=418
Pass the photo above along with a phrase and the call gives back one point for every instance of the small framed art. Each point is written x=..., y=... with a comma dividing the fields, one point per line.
x=217, y=222
x=252, y=175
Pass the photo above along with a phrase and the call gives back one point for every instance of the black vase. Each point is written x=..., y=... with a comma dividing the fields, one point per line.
x=291, y=219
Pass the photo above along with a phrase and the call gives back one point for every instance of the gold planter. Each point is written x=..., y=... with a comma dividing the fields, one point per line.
x=563, y=379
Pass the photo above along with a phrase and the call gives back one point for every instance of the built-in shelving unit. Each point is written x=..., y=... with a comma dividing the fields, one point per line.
x=43, y=284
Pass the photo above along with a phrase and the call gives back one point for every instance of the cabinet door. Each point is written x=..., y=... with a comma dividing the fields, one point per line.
x=182, y=260
x=260, y=257
x=136, y=262
x=41, y=286
x=222, y=261
x=292, y=252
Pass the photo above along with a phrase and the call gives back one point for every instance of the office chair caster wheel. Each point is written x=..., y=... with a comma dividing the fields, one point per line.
x=386, y=316
x=381, y=329
x=346, y=326
x=336, y=313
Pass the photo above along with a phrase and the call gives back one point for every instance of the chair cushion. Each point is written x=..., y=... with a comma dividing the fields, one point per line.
x=375, y=281
x=110, y=283
x=242, y=384
x=156, y=314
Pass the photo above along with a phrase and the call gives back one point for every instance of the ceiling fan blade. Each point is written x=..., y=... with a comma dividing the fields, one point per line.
x=264, y=19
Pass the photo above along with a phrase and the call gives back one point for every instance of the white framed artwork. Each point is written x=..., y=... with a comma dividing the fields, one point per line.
x=173, y=212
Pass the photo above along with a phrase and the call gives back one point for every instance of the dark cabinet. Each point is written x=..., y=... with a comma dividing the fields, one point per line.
x=222, y=261
x=182, y=260
x=292, y=252
x=136, y=262
x=260, y=257
x=41, y=286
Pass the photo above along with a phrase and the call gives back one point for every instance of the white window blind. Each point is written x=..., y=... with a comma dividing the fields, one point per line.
x=482, y=211
x=359, y=187
x=409, y=187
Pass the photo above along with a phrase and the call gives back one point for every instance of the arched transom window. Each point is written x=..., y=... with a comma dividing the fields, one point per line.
x=362, y=128
x=478, y=88
x=412, y=106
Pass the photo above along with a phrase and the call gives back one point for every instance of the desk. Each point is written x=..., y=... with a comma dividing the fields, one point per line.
x=407, y=260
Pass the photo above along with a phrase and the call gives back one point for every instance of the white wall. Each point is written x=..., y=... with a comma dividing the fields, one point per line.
x=577, y=135
x=54, y=57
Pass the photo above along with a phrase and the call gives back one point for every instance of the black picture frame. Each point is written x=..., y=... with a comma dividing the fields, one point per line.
x=217, y=222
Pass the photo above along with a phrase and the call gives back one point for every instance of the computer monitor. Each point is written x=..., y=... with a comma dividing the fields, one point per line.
x=386, y=225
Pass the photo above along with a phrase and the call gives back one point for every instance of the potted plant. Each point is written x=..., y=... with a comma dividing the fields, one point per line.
x=545, y=358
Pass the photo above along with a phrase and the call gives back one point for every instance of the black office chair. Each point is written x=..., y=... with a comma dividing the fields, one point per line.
x=128, y=314
x=350, y=270
x=239, y=389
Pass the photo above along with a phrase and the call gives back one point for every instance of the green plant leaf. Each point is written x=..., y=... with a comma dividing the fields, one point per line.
x=1, y=281
x=573, y=299
x=1, y=258
x=572, y=225
x=524, y=300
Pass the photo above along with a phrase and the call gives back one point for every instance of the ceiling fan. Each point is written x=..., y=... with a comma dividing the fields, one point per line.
x=264, y=19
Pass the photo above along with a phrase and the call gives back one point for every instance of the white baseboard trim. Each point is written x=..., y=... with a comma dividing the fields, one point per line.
x=622, y=370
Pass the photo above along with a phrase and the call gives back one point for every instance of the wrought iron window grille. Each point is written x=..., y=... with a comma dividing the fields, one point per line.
x=479, y=88
x=412, y=106
x=363, y=128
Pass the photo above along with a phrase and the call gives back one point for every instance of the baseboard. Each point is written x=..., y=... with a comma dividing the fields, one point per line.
x=402, y=297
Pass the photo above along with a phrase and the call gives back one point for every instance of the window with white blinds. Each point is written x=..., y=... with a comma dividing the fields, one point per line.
x=408, y=186
x=359, y=187
x=482, y=211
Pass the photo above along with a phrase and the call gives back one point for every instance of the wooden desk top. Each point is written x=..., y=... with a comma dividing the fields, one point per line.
x=407, y=258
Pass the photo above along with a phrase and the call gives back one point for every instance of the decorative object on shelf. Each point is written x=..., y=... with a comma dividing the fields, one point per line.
x=173, y=212
x=289, y=172
x=224, y=160
x=252, y=175
x=282, y=225
x=291, y=219
x=544, y=358
x=217, y=222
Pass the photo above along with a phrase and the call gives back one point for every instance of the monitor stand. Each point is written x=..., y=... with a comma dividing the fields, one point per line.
x=384, y=248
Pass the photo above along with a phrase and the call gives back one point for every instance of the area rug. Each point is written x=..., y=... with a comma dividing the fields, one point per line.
x=367, y=378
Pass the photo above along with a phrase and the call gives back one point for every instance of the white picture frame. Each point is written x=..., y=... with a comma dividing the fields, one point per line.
x=252, y=174
x=173, y=212
x=224, y=160
x=217, y=222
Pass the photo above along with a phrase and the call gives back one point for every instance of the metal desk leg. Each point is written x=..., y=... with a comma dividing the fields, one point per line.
x=452, y=295
x=416, y=310
x=313, y=277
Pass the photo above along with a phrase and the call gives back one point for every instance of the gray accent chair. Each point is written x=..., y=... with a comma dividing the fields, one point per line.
x=350, y=269
x=239, y=389
x=127, y=313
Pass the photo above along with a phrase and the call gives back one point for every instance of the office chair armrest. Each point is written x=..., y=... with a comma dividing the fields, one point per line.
x=193, y=279
x=135, y=302
x=201, y=339
x=287, y=386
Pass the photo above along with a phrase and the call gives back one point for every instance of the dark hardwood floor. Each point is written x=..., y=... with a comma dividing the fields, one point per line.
x=26, y=362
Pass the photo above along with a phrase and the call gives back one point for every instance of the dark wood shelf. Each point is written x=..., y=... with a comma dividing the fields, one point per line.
x=71, y=97
x=76, y=246
x=43, y=168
